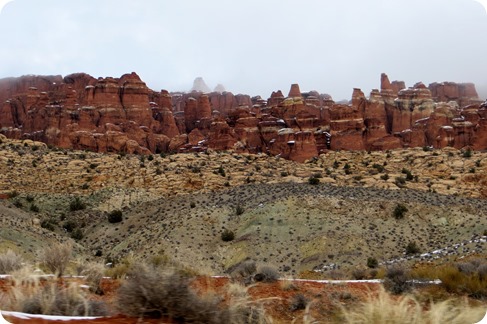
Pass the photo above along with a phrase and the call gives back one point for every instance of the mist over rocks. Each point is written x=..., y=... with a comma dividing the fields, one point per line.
x=124, y=115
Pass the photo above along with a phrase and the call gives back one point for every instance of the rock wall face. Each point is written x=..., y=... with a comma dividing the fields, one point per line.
x=124, y=115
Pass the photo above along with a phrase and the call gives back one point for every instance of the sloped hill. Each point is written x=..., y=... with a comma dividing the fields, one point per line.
x=296, y=227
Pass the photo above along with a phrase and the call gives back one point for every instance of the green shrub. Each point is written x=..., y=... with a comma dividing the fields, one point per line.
x=115, y=216
x=77, y=204
x=378, y=167
x=412, y=248
x=372, y=262
x=239, y=210
x=227, y=235
x=467, y=154
x=17, y=203
x=221, y=171
x=385, y=177
x=400, y=181
x=397, y=280
x=34, y=208
x=29, y=198
x=313, y=181
x=409, y=175
x=77, y=234
x=399, y=211
x=69, y=226
x=48, y=224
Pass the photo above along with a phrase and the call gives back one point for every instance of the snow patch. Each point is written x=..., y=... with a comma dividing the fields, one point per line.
x=26, y=316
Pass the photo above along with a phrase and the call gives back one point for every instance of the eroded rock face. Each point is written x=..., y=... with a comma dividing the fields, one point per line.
x=124, y=115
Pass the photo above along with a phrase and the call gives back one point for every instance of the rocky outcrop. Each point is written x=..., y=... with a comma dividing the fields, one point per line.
x=124, y=115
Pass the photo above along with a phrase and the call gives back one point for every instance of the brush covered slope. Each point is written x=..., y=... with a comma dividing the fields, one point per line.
x=178, y=206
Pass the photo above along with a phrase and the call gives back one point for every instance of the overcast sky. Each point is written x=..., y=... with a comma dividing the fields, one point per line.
x=251, y=46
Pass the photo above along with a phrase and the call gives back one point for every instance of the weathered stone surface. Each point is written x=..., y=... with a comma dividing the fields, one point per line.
x=123, y=114
x=296, y=146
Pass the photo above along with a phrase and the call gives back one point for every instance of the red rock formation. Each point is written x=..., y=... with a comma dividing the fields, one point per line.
x=463, y=93
x=346, y=128
x=294, y=92
x=122, y=114
x=296, y=146
x=221, y=136
x=276, y=98
x=375, y=119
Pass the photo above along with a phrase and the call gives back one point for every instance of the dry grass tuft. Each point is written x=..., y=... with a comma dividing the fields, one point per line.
x=385, y=308
x=150, y=292
x=56, y=257
x=10, y=261
x=36, y=294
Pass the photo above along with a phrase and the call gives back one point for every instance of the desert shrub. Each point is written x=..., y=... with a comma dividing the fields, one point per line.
x=298, y=302
x=48, y=296
x=384, y=177
x=400, y=181
x=482, y=271
x=313, y=181
x=266, y=274
x=77, y=204
x=227, y=235
x=34, y=208
x=409, y=175
x=399, y=211
x=10, y=261
x=221, y=171
x=243, y=271
x=383, y=308
x=359, y=274
x=192, y=204
x=94, y=273
x=467, y=154
x=378, y=167
x=77, y=234
x=396, y=280
x=69, y=226
x=115, y=216
x=48, y=224
x=29, y=198
x=17, y=203
x=239, y=210
x=466, y=267
x=454, y=281
x=412, y=248
x=154, y=293
x=53, y=299
x=56, y=257
x=372, y=262
x=13, y=194
x=284, y=174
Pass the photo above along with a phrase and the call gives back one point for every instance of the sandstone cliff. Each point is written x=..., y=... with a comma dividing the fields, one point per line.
x=124, y=115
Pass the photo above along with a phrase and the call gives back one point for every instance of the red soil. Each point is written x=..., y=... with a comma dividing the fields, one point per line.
x=277, y=297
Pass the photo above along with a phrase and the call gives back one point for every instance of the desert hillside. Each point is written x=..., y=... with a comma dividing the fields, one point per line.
x=331, y=213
